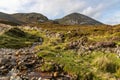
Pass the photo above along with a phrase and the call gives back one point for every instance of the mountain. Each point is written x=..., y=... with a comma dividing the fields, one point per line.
x=8, y=19
x=22, y=18
x=30, y=17
x=77, y=19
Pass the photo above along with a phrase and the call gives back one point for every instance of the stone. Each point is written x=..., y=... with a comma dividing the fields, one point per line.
x=105, y=44
x=55, y=74
x=17, y=53
x=2, y=67
x=15, y=78
x=39, y=78
x=4, y=61
x=4, y=78
x=4, y=71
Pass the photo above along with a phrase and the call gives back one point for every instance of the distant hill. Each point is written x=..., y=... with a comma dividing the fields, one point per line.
x=30, y=17
x=23, y=18
x=77, y=19
x=8, y=19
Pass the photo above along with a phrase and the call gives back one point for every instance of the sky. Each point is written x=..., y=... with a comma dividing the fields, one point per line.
x=106, y=11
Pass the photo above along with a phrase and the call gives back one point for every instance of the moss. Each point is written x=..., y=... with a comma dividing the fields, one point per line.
x=16, y=38
x=118, y=73
x=16, y=32
x=47, y=67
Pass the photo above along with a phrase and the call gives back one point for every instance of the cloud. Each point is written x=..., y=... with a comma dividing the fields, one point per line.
x=13, y=6
x=59, y=8
x=93, y=11
x=9, y=6
x=112, y=19
x=96, y=10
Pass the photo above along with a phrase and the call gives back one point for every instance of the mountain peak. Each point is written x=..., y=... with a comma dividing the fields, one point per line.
x=77, y=19
x=70, y=19
x=30, y=17
x=75, y=13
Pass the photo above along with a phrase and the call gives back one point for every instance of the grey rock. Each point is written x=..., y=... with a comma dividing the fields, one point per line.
x=4, y=61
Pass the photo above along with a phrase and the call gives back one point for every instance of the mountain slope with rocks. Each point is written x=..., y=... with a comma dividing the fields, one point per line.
x=8, y=19
x=78, y=19
x=27, y=18
x=30, y=17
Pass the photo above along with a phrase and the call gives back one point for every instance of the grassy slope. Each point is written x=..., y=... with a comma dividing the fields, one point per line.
x=16, y=38
x=94, y=66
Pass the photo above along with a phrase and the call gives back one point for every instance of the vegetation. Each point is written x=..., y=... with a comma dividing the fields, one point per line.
x=16, y=38
x=96, y=65
x=9, y=23
x=56, y=52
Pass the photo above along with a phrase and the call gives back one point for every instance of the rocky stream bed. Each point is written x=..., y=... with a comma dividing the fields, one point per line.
x=23, y=64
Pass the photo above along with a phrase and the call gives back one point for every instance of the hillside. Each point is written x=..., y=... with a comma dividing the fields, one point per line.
x=54, y=51
x=8, y=19
x=13, y=37
x=30, y=17
x=26, y=18
x=78, y=19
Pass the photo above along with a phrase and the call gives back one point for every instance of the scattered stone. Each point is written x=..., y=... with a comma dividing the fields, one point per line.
x=106, y=44
x=4, y=61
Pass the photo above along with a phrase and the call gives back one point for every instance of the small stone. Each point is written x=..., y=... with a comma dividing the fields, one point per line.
x=15, y=78
x=3, y=61
x=39, y=78
x=4, y=78
x=18, y=53
x=55, y=74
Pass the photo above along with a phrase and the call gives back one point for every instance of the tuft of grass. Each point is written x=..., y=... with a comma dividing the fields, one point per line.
x=16, y=38
x=105, y=64
x=93, y=66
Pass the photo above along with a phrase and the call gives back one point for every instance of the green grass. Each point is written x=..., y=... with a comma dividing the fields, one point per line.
x=94, y=66
x=16, y=38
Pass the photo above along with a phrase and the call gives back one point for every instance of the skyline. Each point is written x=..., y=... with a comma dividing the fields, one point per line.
x=104, y=11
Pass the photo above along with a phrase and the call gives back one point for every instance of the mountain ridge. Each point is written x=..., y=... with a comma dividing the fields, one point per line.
x=30, y=17
x=7, y=18
x=78, y=19
x=70, y=19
